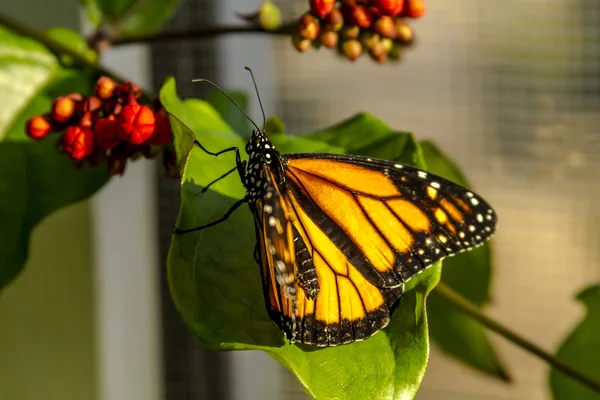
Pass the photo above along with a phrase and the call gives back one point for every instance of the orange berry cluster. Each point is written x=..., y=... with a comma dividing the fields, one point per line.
x=352, y=27
x=110, y=126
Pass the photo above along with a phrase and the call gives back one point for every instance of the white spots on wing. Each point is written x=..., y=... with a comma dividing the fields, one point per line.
x=490, y=211
x=435, y=185
x=268, y=209
x=479, y=218
x=422, y=174
x=428, y=241
x=477, y=237
x=437, y=251
x=472, y=228
x=272, y=221
x=474, y=201
x=269, y=195
x=368, y=159
x=469, y=194
x=461, y=235
x=267, y=146
x=488, y=229
x=466, y=243
x=442, y=238
x=420, y=252
x=488, y=217
x=398, y=166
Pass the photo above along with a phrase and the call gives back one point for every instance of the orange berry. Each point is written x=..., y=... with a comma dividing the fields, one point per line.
x=389, y=7
x=38, y=127
x=352, y=49
x=309, y=27
x=137, y=123
x=334, y=20
x=414, y=8
x=385, y=27
x=404, y=32
x=329, y=38
x=105, y=88
x=301, y=44
x=78, y=142
x=162, y=132
x=63, y=109
x=321, y=8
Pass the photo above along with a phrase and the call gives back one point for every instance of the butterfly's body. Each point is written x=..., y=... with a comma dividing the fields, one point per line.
x=338, y=236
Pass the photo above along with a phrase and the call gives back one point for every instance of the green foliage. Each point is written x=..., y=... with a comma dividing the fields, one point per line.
x=130, y=17
x=469, y=274
x=581, y=349
x=35, y=179
x=216, y=286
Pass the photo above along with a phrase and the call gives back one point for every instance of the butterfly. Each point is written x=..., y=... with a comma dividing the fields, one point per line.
x=338, y=236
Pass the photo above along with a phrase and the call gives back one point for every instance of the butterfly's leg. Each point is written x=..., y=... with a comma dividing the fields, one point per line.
x=205, y=188
x=234, y=207
x=240, y=165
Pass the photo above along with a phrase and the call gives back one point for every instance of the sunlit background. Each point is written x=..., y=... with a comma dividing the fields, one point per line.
x=509, y=89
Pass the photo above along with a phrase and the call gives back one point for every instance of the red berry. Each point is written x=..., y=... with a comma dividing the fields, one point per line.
x=414, y=8
x=386, y=27
x=357, y=14
x=63, y=109
x=389, y=7
x=125, y=89
x=137, y=123
x=91, y=103
x=105, y=88
x=106, y=133
x=335, y=20
x=78, y=142
x=321, y=8
x=38, y=127
x=162, y=132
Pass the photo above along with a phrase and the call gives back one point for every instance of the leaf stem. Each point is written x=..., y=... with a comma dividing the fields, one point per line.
x=203, y=33
x=470, y=309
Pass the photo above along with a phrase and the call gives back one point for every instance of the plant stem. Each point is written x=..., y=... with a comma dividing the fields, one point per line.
x=470, y=309
x=203, y=33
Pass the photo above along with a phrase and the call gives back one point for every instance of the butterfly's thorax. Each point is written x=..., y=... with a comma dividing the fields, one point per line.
x=261, y=152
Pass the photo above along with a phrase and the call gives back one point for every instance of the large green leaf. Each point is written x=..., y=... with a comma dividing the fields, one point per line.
x=216, y=286
x=35, y=179
x=468, y=274
x=130, y=17
x=581, y=349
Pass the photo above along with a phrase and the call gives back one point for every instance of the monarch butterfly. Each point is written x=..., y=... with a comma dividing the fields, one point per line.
x=337, y=236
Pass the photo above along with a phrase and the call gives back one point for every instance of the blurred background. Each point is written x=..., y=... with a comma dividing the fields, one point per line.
x=508, y=89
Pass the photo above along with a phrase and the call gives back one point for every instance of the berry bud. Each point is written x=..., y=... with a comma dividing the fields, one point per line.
x=63, y=109
x=329, y=38
x=137, y=123
x=38, y=127
x=87, y=120
x=77, y=97
x=361, y=16
x=334, y=20
x=91, y=104
x=107, y=133
x=321, y=8
x=350, y=32
x=269, y=16
x=369, y=39
x=378, y=52
x=352, y=49
x=414, y=9
x=386, y=27
x=105, y=88
x=308, y=27
x=78, y=142
x=389, y=7
x=300, y=43
x=162, y=132
x=403, y=31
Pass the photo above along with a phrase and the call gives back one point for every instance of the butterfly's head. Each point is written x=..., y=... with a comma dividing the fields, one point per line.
x=260, y=147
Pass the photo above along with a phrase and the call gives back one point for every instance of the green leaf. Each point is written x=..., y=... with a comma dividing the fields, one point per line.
x=581, y=349
x=130, y=17
x=73, y=40
x=216, y=284
x=468, y=274
x=35, y=179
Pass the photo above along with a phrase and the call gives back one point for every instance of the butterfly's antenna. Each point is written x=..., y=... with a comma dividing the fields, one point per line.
x=230, y=99
x=258, y=95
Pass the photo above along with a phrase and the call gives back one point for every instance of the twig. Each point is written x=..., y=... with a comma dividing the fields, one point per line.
x=203, y=33
x=468, y=308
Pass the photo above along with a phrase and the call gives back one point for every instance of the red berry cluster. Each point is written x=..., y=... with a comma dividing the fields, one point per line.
x=353, y=26
x=110, y=126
